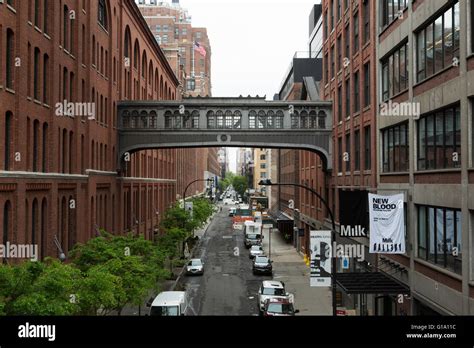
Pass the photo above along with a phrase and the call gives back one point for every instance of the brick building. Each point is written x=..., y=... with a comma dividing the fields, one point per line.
x=425, y=60
x=58, y=173
x=172, y=27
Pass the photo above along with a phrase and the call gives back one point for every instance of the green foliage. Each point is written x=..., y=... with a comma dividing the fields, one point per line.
x=240, y=184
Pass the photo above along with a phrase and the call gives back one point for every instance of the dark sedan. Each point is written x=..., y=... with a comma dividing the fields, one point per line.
x=262, y=265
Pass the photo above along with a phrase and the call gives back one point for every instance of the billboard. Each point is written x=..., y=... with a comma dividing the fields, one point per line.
x=320, y=248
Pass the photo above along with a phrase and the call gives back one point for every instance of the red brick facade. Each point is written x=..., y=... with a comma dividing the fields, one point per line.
x=58, y=173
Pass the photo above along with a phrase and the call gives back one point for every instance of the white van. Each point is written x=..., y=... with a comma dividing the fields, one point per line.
x=169, y=303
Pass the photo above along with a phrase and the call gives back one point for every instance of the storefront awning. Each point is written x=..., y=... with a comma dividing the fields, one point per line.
x=370, y=283
x=278, y=215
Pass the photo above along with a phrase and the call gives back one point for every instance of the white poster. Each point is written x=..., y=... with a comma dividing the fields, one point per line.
x=387, y=228
x=320, y=248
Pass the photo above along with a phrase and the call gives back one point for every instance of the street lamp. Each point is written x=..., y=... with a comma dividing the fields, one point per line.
x=209, y=180
x=268, y=182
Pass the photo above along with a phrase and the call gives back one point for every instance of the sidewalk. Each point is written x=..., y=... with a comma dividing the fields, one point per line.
x=289, y=267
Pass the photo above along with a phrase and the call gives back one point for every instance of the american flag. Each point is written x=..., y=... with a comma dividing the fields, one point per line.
x=199, y=48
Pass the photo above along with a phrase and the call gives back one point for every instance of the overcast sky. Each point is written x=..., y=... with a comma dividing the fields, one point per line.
x=252, y=42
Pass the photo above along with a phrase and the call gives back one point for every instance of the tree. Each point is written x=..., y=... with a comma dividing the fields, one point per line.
x=240, y=184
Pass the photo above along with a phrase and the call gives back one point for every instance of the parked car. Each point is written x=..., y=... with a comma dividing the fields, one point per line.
x=255, y=250
x=262, y=265
x=272, y=289
x=195, y=266
x=279, y=307
x=232, y=211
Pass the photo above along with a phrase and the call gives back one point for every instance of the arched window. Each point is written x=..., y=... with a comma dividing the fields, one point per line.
x=6, y=222
x=102, y=14
x=71, y=238
x=34, y=221
x=144, y=69
x=44, y=223
x=36, y=129
x=150, y=73
x=36, y=74
x=45, y=80
x=262, y=119
x=45, y=16
x=66, y=27
x=237, y=124
x=127, y=44
x=10, y=59
x=7, y=140
x=136, y=55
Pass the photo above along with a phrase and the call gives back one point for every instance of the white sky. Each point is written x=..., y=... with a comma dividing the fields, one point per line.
x=252, y=42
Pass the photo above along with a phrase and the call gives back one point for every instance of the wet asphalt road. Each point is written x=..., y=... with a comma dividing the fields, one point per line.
x=228, y=286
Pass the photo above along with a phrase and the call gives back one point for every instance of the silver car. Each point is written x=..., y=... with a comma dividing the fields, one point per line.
x=195, y=266
x=272, y=289
x=255, y=250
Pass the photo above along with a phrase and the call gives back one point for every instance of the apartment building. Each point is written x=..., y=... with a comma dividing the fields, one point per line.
x=172, y=27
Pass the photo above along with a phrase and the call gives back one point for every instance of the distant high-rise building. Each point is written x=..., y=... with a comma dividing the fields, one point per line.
x=187, y=49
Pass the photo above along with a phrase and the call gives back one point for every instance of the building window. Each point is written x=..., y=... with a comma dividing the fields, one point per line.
x=35, y=145
x=366, y=15
x=331, y=14
x=367, y=148
x=36, y=74
x=347, y=40
x=263, y=157
x=333, y=62
x=10, y=59
x=339, y=9
x=46, y=11
x=37, y=13
x=165, y=38
x=439, y=139
x=65, y=27
x=348, y=152
x=165, y=28
x=7, y=140
x=339, y=103
x=339, y=54
x=263, y=166
x=395, y=72
x=357, y=150
x=184, y=31
x=44, y=148
x=158, y=28
x=355, y=32
x=367, y=84
x=6, y=222
x=326, y=68
x=395, y=148
x=102, y=14
x=440, y=237
x=391, y=10
x=438, y=43
x=326, y=21
x=348, y=97
x=339, y=153
x=356, y=92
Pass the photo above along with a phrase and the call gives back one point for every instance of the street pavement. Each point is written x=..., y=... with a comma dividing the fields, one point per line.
x=228, y=286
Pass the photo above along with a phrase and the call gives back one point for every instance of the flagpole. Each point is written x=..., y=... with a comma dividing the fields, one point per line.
x=192, y=69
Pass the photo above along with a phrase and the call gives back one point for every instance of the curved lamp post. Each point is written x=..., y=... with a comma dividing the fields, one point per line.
x=268, y=182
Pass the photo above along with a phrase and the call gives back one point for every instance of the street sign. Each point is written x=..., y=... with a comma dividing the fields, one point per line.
x=345, y=262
